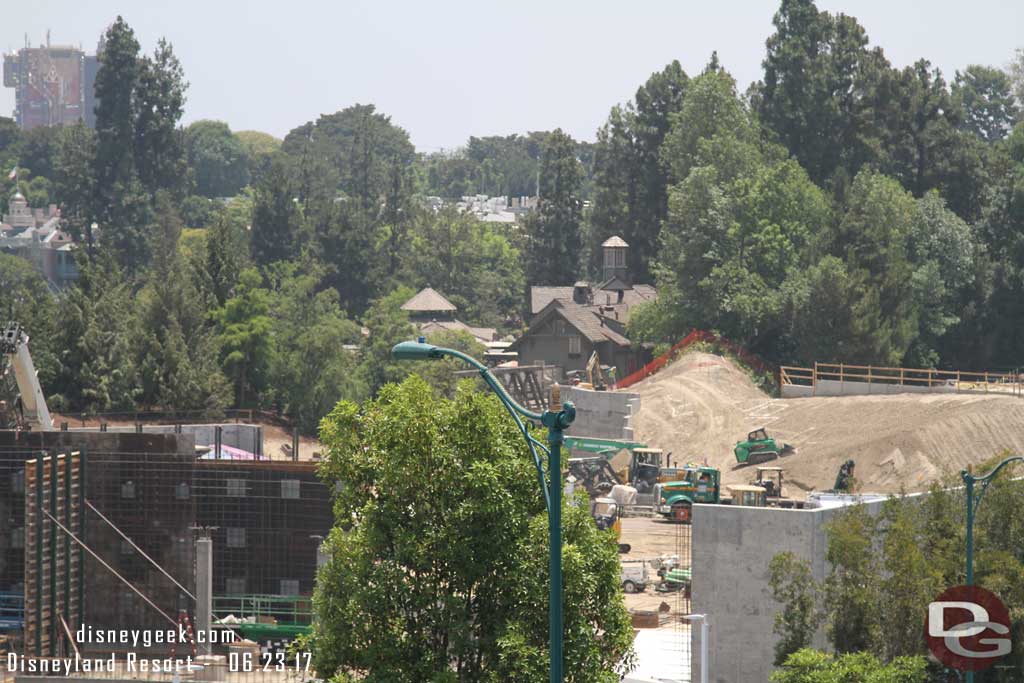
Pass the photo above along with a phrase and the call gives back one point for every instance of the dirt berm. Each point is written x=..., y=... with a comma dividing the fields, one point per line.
x=701, y=405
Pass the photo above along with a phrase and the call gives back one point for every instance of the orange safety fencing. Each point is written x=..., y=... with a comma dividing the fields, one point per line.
x=695, y=336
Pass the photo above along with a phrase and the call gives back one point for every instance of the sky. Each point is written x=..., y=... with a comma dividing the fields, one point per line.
x=446, y=70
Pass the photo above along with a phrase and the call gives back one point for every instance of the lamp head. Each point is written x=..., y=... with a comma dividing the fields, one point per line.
x=415, y=351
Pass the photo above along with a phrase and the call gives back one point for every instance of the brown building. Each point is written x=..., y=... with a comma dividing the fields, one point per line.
x=431, y=312
x=569, y=323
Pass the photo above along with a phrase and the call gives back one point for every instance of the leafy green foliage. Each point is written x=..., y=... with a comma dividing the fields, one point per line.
x=553, y=237
x=886, y=568
x=218, y=159
x=793, y=586
x=439, y=552
x=244, y=326
x=811, y=666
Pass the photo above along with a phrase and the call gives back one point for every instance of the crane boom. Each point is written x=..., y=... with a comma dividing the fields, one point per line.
x=14, y=345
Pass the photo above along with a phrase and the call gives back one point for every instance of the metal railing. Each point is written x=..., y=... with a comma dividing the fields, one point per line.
x=292, y=609
x=958, y=381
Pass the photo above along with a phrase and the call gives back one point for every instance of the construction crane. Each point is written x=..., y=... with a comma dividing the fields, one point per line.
x=31, y=404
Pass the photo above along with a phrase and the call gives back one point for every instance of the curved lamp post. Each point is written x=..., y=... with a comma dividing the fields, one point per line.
x=556, y=422
x=972, y=506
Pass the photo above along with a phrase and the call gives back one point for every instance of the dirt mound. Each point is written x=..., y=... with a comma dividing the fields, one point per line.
x=702, y=404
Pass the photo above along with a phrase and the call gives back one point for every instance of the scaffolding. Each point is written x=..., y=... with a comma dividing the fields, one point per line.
x=266, y=520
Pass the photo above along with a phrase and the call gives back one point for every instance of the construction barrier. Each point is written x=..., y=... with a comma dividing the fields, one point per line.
x=695, y=336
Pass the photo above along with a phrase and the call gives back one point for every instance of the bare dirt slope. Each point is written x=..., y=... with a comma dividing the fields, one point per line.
x=701, y=404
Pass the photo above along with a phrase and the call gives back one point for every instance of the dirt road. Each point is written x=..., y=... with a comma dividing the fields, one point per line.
x=700, y=405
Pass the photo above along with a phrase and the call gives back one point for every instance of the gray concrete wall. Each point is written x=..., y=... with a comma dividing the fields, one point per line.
x=832, y=387
x=602, y=414
x=732, y=547
x=244, y=436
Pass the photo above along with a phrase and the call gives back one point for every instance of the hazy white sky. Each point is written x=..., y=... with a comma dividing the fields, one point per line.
x=446, y=70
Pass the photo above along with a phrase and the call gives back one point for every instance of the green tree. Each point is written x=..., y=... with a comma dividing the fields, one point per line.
x=795, y=589
x=159, y=102
x=74, y=183
x=218, y=159
x=119, y=202
x=470, y=262
x=38, y=150
x=816, y=64
x=439, y=549
x=277, y=218
x=226, y=256
x=553, y=239
x=630, y=195
x=811, y=666
x=316, y=357
x=711, y=109
x=97, y=341
x=361, y=144
x=985, y=94
x=177, y=351
x=873, y=238
x=244, y=327
x=387, y=324
x=853, y=595
x=259, y=148
x=27, y=300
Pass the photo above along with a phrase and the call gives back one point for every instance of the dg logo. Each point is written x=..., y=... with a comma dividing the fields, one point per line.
x=968, y=628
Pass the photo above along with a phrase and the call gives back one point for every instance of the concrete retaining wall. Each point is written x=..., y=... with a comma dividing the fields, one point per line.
x=602, y=414
x=832, y=387
x=247, y=437
x=732, y=547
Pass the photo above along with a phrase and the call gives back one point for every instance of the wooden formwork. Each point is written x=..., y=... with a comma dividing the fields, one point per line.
x=53, y=563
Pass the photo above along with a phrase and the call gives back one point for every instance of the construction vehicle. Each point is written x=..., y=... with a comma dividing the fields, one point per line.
x=605, y=512
x=695, y=484
x=748, y=495
x=595, y=474
x=594, y=372
x=635, y=576
x=758, y=448
x=675, y=580
x=30, y=406
x=845, y=478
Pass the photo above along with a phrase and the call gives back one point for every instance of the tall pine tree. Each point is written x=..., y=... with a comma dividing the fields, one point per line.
x=553, y=232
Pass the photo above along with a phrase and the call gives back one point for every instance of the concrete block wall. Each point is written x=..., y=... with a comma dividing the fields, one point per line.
x=731, y=548
x=244, y=436
x=602, y=414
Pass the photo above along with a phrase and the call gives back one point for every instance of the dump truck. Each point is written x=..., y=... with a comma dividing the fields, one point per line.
x=694, y=485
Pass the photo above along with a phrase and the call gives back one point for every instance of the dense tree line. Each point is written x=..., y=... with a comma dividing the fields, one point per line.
x=840, y=208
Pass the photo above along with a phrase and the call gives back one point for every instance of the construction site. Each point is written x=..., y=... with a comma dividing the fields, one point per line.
x=701, y=474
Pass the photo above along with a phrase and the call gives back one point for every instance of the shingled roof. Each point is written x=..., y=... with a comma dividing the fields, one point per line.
x=428, y=300
x=584, y=319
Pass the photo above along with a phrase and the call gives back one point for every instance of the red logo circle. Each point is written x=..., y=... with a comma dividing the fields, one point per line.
x=968, y=628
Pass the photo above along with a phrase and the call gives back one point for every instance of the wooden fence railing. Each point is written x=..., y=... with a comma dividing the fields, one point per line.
x=954, y=380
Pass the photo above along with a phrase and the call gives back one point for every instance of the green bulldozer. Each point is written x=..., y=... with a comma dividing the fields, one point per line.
x=759, y=447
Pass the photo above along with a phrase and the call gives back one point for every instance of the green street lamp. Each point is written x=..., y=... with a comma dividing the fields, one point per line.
x=972, y=506
x=556, y=422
